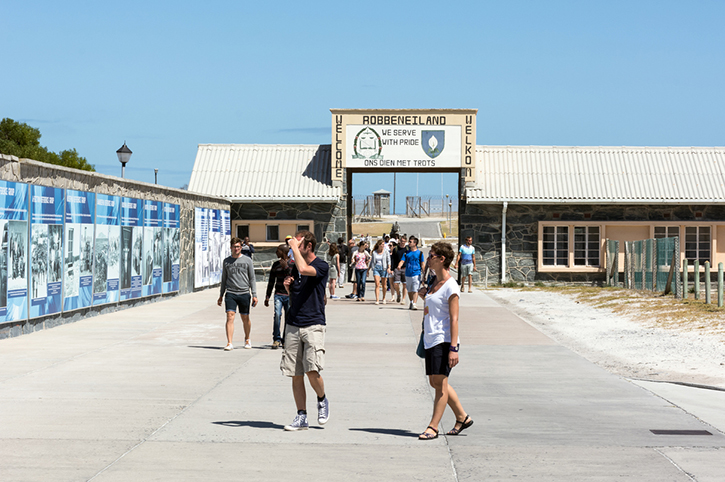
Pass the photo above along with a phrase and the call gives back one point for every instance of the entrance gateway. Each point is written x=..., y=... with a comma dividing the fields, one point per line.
x=411, y=140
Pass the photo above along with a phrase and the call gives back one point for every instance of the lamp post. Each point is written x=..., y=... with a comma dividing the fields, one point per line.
x=124, y=154
x=156, y=176
x=450, y=217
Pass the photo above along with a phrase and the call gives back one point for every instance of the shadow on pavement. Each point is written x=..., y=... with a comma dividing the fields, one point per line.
x=255, y=424
x=387, y=431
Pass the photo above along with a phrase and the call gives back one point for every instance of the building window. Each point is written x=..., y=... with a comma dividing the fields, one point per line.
x=242, y=231
x=697, y=244
x=272, y=232
x=556, y=246
x=303, y=227
x=586, y=245
x=667, y=232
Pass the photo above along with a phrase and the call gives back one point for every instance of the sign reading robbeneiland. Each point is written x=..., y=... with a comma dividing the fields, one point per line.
x=403, y=140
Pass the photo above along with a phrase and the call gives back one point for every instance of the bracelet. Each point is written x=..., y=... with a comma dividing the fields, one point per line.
x=454, y=348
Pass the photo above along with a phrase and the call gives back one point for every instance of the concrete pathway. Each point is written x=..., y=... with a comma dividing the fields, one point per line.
x=148, y=394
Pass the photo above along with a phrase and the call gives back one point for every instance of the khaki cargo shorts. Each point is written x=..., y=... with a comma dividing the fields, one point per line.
x=304, y=350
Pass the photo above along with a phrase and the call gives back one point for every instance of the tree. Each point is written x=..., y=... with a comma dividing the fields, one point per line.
x=21, y=140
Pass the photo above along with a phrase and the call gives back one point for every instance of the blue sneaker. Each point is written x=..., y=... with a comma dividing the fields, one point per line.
x=299, y=423
x=323, y=411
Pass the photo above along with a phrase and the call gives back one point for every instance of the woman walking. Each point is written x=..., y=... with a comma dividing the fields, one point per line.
x=440, y=338
x=380, y=261
x=361, y=259
x=279, y=271
x=334, y=269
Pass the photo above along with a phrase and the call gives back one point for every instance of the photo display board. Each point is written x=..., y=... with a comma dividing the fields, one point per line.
x=152, y=246
x=78, y=248
x=14, y=256
x=215, y=246
x=201, y=247
x=131, y=248
x=226, y=231
x=46, y=250
x=107, y=249
x=171, y=253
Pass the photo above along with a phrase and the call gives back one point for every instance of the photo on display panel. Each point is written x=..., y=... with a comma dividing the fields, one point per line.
x=167, y=255
x=158, y=247
x=4, y=263
x=114, y=252
x=39, y=261
x=101, y=269
x=72, y=260
x=17, y=259
x=86, y=249
x=126, y=256
x=176, y=247
x=148, y=257
x=55, y=253
x=137, y=251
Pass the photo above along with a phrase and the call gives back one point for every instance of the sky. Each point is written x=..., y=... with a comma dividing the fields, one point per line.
x=167, y=76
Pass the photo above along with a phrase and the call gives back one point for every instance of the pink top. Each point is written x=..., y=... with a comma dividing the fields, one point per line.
x=361, y=260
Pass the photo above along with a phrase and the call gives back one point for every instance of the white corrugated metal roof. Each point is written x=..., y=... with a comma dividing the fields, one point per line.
x=256, y=172
x=641, y=175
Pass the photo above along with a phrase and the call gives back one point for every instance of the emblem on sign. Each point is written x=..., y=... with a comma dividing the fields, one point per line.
x=367, y=144
x=433, y=142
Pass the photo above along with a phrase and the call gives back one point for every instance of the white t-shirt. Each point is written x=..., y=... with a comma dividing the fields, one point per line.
x=437, y=318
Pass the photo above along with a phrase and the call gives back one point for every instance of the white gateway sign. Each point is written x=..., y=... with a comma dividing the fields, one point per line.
x=403, y=146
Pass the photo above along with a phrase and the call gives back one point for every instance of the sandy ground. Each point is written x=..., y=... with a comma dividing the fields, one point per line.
x=622, y=344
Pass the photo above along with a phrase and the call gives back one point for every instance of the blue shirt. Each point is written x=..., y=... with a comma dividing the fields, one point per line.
x=413, y=261
x=467, y=254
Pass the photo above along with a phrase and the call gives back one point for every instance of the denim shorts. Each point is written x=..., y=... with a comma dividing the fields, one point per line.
x=232, y=301
x=383, y=273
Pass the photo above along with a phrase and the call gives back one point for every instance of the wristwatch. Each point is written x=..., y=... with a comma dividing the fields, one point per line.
x=454, y=348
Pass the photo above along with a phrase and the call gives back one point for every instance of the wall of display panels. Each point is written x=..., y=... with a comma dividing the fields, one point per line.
x=213, y=232
x=63, y=250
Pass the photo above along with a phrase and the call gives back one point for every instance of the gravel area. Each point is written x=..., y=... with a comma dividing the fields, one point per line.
x=625, y=345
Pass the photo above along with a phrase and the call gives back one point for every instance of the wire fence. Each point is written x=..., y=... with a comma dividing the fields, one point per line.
x=654, y=265
x=649, y=264
x=415, y=206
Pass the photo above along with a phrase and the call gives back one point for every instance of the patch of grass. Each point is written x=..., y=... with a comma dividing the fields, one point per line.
x=651, y=309
x=450, y=233
x=373, y=229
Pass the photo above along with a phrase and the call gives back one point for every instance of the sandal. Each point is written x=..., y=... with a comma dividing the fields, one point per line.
x=428, y=436
x=467, y=422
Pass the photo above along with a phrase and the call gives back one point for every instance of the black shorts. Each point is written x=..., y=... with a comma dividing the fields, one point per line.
x=232, y=301
x=436, y=360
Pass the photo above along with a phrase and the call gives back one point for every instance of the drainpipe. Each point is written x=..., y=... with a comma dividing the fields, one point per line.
x=503, y=242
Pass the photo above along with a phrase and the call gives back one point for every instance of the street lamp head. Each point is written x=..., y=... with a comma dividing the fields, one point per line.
x=124, y=154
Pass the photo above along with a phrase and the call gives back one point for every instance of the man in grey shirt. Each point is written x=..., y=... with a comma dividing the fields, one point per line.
x=240, y=285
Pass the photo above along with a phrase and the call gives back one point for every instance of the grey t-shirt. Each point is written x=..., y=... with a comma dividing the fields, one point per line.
x=238, y=276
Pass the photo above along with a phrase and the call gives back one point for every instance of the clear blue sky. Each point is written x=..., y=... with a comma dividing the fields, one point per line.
x=166, y=76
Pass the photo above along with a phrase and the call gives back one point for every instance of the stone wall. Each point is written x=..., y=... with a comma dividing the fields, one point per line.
x=43, y=174
x=483, y=223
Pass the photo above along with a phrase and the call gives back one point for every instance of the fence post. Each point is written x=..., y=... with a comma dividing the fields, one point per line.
x=675, y=262
x=616, y=264
x=697, y=279
x=685, y=288
x=719, y=285
x=627, y=264
x=708, y=287
x=608, y=261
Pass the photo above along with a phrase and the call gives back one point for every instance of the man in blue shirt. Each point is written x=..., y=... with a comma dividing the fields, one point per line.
x=414, y=266
x=304, y=343
x=466, y=263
